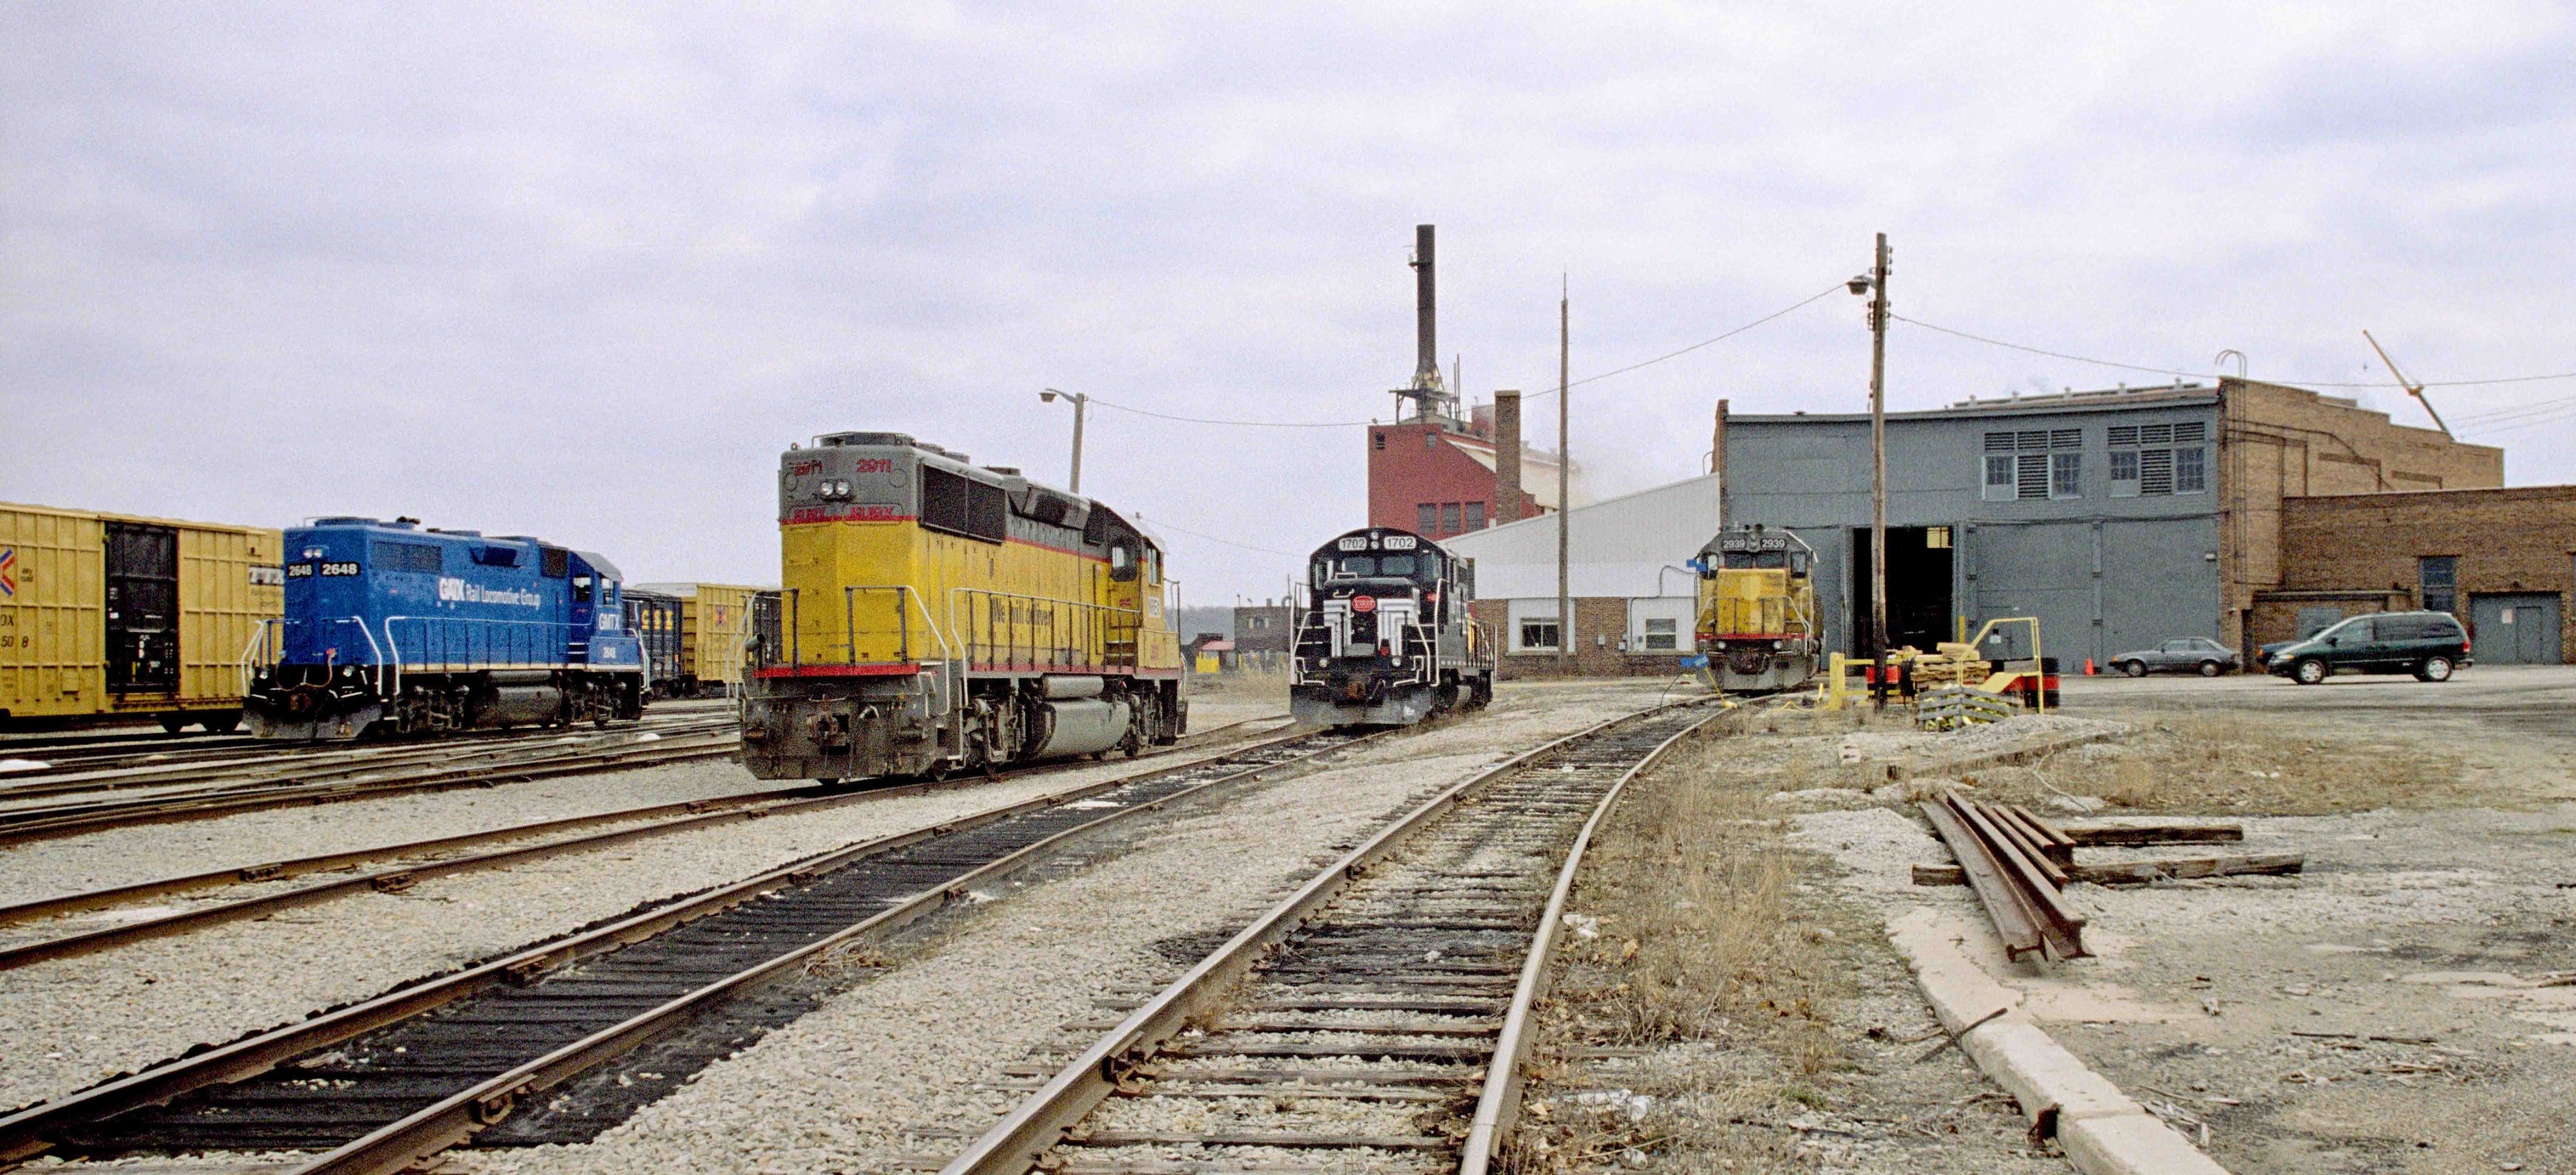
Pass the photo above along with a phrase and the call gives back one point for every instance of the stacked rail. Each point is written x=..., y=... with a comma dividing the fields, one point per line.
x=383, y=1083
x=1376, y=1019
x=2019, y=866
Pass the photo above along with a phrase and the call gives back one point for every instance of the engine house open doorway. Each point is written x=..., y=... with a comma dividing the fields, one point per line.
x=1918, y=588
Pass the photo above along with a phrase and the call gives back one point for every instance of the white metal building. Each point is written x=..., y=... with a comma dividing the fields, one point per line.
x=1623, y=555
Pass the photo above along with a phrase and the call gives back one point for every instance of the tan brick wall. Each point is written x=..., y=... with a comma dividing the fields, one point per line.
x=2507, y=540
x=2283, y=442
x=1600, y=623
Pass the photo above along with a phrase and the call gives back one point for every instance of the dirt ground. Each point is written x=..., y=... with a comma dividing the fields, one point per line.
x=2406, y=1004
x=1723, y=1006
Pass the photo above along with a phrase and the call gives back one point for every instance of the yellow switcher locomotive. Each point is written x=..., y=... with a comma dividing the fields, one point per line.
x=936, y=615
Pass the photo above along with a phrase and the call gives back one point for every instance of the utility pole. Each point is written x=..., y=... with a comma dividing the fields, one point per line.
x=1564, y=460
x=1878, y=462
x=1874, y=284
x=1081, y=401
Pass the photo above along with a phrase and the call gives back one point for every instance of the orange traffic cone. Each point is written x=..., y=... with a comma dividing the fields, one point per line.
x=2088, y=667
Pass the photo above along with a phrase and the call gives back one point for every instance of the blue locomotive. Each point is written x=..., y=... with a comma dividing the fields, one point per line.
x=394, y=627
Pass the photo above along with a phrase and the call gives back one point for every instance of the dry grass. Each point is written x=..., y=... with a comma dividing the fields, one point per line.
x=1702, y=937
x=2210, y=764
x=1246, y=685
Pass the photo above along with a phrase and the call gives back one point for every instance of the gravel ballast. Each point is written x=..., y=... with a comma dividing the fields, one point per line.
x=70, y=1023
x=912, y=1063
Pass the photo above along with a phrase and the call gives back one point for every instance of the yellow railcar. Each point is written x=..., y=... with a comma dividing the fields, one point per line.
x=937, y=615
x=1756, y=630
x=715, y=628
x=104, y=615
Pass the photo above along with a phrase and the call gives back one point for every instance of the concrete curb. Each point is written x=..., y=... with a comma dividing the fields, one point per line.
x=2104, y=1131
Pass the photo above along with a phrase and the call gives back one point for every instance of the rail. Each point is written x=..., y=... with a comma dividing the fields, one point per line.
x=1020, y=1138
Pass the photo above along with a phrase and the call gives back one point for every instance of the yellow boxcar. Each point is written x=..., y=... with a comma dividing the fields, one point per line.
x=104, y=615
x=715, y=621
x=939, y=615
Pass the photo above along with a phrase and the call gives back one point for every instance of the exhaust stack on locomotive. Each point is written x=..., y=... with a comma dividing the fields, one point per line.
x=936, y=615
x=1385, y=638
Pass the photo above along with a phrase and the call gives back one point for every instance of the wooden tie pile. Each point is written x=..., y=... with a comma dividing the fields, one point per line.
x=2019, y=865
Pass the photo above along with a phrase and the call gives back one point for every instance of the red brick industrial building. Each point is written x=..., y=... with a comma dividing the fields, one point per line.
x=1439, y=476
x=2504, y=560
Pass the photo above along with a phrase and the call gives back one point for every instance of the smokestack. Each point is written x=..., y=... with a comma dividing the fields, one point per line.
x=1507, y=457
x=1426, y=335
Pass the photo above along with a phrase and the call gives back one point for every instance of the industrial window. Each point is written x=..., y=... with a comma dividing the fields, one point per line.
x=1429, y=441
x=2033, y=468
x=1656, y=623
x=1475, y=516
x=1999, y=476
x=2023, y=464
x=2066, y=475
x=1381, y=441
x=2439, y=578
x=1449, y=518
x=2124, y=473
x=2155, y=471
x=1532, y=625
x=423, y=558
x=2191, y=470
x=1426, y=518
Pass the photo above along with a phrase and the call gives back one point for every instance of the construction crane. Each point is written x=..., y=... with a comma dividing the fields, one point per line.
x=2412, y=388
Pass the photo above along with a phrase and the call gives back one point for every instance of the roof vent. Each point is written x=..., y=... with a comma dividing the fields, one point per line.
x=1005, y=470
x=463, y=534
x=837, y=440
x=344, y=520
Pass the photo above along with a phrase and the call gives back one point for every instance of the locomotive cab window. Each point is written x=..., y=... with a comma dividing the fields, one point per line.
x=1397, y=566
x=1122, y=561
x=581, y=589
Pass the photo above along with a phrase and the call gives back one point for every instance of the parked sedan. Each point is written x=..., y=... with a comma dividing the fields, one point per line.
x=2200, y=655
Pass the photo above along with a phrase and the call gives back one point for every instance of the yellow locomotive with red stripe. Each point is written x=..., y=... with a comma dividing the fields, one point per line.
x=936, y=615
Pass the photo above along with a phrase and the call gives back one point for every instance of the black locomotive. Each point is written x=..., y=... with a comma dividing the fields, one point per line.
x=1385, y=638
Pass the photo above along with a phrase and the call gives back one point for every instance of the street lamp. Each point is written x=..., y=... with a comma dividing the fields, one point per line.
x=1874, y=284
x=1080, y=402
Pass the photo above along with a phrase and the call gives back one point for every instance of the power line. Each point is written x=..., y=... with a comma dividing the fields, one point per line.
x=2182, y=374
x=1782, y=312
x=1159, y=524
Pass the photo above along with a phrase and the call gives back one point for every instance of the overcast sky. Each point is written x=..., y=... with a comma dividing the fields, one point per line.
x=583, y=272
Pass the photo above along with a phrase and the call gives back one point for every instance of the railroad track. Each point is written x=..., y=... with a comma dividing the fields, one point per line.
x=380, y=1084
x=1374, y=1020
x=411, y=769
x=424, y=860
x=135, y=760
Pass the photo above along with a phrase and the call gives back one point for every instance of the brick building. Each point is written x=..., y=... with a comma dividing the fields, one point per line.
x=1263, y=633
x=2502, y=559
x=1439, y=476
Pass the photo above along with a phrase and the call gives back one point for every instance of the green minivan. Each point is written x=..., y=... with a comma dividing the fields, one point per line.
x=2427, y=644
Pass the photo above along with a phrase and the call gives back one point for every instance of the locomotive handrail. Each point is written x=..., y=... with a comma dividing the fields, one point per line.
x=259, y=639
x=1089, y=619
x=525, y=653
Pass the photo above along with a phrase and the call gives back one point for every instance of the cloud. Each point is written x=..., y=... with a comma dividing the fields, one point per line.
x=584, y=271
